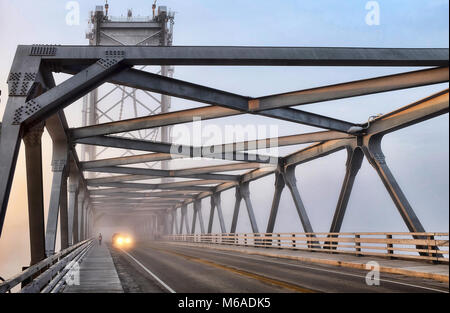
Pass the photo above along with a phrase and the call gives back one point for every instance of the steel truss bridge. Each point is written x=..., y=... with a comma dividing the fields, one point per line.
x=35, y=102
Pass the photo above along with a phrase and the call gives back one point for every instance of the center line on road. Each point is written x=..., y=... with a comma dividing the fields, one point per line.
x=150, y=272
x=240, y=272
x=331, y=271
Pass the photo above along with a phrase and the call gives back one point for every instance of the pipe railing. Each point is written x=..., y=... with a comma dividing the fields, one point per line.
x=401, y=245
x=47, y=274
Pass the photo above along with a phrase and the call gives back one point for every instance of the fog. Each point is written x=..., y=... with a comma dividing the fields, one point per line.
x=417, y=155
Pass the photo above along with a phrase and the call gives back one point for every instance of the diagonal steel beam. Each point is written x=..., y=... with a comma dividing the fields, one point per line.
x=151, y=121
x=352, y=89
x=424, y=109
x=60, y=96
x=185, y=90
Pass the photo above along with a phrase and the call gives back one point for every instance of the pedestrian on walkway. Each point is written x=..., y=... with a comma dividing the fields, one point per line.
x=100, y=239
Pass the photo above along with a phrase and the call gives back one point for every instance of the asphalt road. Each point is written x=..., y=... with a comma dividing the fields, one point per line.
x=162, y=267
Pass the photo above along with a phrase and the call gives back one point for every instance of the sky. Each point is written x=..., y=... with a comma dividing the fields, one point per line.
x=417, y=155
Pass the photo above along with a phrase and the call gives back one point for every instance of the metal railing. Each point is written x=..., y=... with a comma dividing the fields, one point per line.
x=46, y=276
x=401, y=245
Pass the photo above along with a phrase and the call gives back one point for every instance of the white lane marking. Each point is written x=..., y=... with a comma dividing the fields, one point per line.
x=329, y=271
x=148, y=271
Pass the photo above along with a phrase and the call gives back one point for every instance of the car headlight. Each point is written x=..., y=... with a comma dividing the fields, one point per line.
x=119, y=240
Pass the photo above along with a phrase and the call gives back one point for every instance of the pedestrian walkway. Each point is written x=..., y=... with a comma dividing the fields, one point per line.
x=420, y=269
x=97, y=273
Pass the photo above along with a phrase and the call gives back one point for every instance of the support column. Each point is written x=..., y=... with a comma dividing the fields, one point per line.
x=81, y=199
x=83, y=218
x=23, y=75
x=198, y=209
x=172, y=223
x=166, y=224
x=73, y=196
x=245, y=191
x=177, y=229
x=181, y=220
x=211, y=215
x=354, y=160
x=373, y=152
x=64, y=217
x=33, y=159
x=184, y=217
x=194, y=219
x=279, y=186
x=75, y=239
x=218, y=204
x=59, y=162
x=237, y=206
x=291, y=181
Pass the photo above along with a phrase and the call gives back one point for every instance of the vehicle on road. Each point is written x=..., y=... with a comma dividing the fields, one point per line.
x=122, y=240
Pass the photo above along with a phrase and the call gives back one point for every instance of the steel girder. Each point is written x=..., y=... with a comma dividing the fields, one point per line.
x=252, y=56
x=163, y=147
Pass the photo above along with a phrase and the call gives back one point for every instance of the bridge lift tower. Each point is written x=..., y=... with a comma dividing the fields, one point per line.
x=105, y=30
x=108, y=106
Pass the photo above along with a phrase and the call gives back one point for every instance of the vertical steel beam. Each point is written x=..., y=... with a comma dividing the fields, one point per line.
x=83, y=209
x=237, y=206
x=198, y=208
x=211, y=215
x=218, y=203
x=184, y=217
x=291, y=181
x=279, y=186
x=172, y=223
x=181, y=220
x=354, y=160
x=177, y=229
x=73, y=197
x=79, y=209
x=373, y=152
x=194, y=219
x=24, y=72
x=166, y=224
x=75, y=237
x=245, y=191
x=59, y=161
x=33, y=159
x=64, y=217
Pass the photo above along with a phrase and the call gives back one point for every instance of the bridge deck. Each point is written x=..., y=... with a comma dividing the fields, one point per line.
x=97, y=273
x=411, y=268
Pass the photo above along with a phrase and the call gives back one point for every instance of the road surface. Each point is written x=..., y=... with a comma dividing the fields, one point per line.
x=165, y=267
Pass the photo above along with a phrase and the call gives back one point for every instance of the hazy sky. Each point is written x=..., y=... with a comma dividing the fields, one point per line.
x=418, y=155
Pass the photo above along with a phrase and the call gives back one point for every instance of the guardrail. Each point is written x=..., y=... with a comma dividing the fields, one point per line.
x=46, y=276
x=401, y=245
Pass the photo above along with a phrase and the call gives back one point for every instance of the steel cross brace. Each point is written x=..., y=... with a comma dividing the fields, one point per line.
x=216, y=203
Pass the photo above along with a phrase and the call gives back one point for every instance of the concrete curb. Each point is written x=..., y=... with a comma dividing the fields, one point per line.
x=362, y=266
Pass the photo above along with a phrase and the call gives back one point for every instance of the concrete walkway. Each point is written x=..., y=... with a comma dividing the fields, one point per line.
x=419, y=269
x=97, y=273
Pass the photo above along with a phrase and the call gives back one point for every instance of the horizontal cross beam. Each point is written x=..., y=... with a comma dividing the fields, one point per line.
x=162, y=147
x=161, y=173
x=241, y=56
